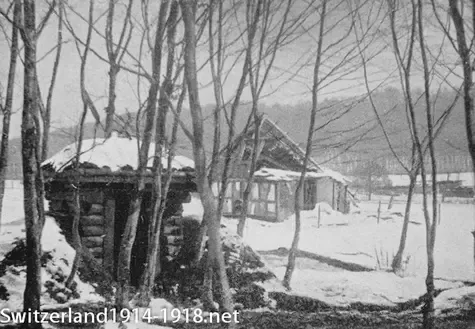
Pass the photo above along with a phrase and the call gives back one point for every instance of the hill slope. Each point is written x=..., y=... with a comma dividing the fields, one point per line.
x=346, y=129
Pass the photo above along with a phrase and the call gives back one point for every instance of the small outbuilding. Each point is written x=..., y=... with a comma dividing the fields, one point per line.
x=273, y=187
x=106, y=181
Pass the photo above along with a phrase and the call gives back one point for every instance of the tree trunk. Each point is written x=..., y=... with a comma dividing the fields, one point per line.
x=199, y=243
x=159, y=193
x=370, y=185
x=216, y=72
x=467, y=66
x=252, y=168
x=128, y=238
x=76, y=238
x=30, y=136
x=308, y=152
x=110, y=109
x=465, y=55
x=7, y=109
x=114, y=56
x=207, y=197
x=431, y=223
x=289, y=271
x=397, y=261
x=49, y=99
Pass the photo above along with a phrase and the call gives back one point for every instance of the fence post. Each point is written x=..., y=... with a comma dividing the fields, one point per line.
x=379, y=210
x=439, y=205
x=390, y=205
x=319, y=214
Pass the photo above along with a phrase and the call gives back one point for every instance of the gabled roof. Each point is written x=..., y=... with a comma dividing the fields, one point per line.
x=271, y=128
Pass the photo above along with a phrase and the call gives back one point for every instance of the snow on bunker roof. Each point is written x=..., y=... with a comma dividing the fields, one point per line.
x=288, y=175
x=114, y=152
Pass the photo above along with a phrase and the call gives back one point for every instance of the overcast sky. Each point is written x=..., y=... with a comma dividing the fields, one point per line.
x=289, y=81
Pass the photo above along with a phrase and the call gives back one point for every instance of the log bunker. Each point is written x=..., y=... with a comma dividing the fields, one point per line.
x=106, y=180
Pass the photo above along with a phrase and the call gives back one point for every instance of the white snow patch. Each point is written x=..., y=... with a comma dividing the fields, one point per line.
x=62, y=259
x=12, y=209
x=194, y=208
x=328, y=216
x=288, y=175
x=114, y=152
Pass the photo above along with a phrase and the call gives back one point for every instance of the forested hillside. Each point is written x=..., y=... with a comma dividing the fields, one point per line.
x=347, y=130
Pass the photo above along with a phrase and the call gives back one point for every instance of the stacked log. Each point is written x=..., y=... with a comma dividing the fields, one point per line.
x=92, y=220
x=173, y=231
x=92, y=228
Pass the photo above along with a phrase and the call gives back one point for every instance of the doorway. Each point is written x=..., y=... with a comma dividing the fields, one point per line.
x=139, y=248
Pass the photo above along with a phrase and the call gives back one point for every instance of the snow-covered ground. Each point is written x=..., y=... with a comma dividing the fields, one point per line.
x=57, y=267
x=358, y=238
x=365, y=242
x=11, y=224
x=355, y=238
x=343, y=288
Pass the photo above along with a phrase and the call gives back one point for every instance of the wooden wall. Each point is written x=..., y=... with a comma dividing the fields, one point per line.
x=104, y=212
x=263, y=201
x=92, y=226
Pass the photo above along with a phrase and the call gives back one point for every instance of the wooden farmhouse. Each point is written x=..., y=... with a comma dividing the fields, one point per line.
x=106, y=180
x=279, y=165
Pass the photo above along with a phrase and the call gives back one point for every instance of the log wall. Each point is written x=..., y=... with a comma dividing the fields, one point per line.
x=97, y=223
x=92, y=223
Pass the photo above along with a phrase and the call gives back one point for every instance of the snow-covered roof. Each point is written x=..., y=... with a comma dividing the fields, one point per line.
x=336, y=175
x=114, y=152
x=288, y=175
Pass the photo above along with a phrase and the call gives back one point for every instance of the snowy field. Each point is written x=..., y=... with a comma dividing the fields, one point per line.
x=357, y=238
x=12, y=218
x=354, y=238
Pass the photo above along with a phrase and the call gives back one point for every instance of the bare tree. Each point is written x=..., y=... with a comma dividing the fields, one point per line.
x=298, y=191
x=258, y=75
x=7, y=107
x=337, y=56
x=46, y=110
x=30, y=133
x=414, y=167
x=160, y=189
x=465, y=53
x=115, y=54
x=405, y=73
x=430, y=219
x=128, y=238
x=207, y=198
x=76, y=239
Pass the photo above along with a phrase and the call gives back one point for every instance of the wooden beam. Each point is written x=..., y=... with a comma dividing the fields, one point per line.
x=102, y=176
x=109, y=228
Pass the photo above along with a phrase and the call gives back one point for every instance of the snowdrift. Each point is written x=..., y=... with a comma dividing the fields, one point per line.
x=57, y=260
